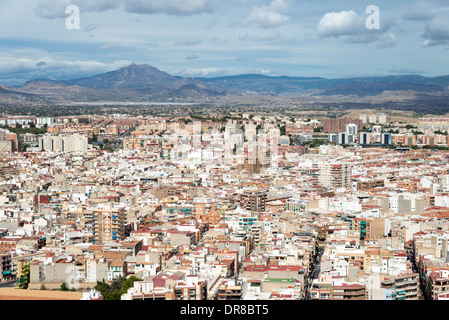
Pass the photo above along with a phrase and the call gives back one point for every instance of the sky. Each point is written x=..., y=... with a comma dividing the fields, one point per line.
x=39, y=39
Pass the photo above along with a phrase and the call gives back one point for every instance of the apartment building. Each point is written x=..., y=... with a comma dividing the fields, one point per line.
x=339, y=124
x=63, y=143
x=73, y=270
x=168, y=286
x=109, y=225
x=253, y=200
x=437, y=284
x=204, y=206
x=335, y=174
x=402, y=287
x=6, y=272
x=230, y=289
x=349, y=291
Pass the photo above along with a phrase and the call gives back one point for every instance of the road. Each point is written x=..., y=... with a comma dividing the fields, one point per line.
x=314, y=274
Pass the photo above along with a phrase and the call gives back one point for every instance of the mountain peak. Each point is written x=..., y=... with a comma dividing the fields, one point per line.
x=132, y=76
x=138, y=66
x=141, y=67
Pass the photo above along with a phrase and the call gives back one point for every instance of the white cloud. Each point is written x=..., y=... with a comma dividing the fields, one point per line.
x=268, y=16
x=172, y=7
x=264, y=71
x=335, y=24
x=203, y=72
x=352, y=27
x=387, y=40
x=52, y=9
x=48, y=68
x=279, y=5
x=421, y=11
x=436, y=33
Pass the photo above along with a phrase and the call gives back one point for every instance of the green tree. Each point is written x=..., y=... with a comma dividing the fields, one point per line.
x=283, y=130
x=24, y=279
x=25, y=147
x=64, y=287
x=116, y=289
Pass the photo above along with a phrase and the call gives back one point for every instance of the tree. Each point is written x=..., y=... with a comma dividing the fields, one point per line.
x=64, y=287
x=24, y=279
x=116, y=289
x=283, y=130
x=25, y=147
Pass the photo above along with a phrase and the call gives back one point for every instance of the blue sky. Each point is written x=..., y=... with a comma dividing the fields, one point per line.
x=325, y=38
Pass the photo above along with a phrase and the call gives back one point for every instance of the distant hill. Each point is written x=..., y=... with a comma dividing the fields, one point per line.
x=362, y=86
x=130, y=77
x=144, y=83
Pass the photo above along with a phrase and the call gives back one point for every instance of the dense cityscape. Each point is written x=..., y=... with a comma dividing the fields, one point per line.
x=247, y=206
x=277, y=158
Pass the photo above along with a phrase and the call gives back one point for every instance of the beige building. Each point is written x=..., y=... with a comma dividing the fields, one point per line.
x=109, y=225
x=335, y=174
x=63, y=143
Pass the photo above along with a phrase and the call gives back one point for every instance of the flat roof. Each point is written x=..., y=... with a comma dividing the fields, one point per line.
x=19, y=294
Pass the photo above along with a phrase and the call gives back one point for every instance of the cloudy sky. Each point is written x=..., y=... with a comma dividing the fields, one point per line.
x=325, y=38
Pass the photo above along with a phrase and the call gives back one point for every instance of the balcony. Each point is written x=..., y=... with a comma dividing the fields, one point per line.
x=350, y=293
x=411, y=293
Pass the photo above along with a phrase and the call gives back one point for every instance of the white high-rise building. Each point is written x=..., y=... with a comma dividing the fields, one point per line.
x=364, y=138
x=44, y=121
x=345, y=138
x=342, y=138
x=352, y=129
x=382, y=118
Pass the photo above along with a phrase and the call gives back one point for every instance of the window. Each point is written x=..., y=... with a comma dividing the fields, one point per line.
x=325, y=296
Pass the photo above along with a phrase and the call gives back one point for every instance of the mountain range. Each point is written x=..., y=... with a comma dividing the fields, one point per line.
x=147, y=83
